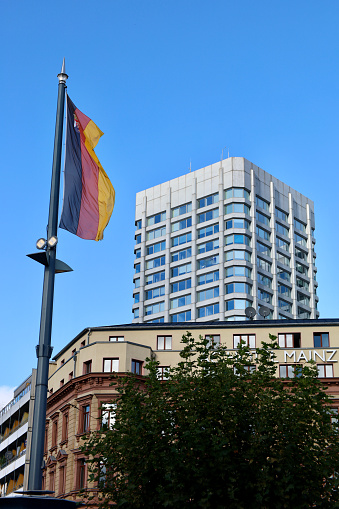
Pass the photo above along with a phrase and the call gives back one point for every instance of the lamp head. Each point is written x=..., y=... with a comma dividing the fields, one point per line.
x=52, y=241
x=41, y=243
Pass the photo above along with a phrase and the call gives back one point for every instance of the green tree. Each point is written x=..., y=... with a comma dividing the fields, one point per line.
x=218, y=435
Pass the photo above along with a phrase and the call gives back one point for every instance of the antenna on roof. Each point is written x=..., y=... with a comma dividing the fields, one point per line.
x=222, y=153
x=190, y=165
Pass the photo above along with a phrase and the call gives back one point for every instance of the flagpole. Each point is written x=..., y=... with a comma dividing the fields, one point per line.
x=44, y=349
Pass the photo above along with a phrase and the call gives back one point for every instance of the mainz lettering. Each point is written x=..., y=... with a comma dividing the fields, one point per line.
x=333, y=353
x=290, y=355
x=297, y=356
x=322, y=355
x=322, y=358
x=302, y=356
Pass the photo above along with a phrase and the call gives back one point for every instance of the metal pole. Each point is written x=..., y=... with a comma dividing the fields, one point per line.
x=44, y=349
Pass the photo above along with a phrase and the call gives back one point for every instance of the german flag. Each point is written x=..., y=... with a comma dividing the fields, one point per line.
x=88, y=193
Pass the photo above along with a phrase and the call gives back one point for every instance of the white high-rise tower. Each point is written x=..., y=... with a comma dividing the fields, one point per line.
x=220, y=239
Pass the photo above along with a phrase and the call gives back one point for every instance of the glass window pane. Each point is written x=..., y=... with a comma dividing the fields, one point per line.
x=239, y=271
x=289, y=340
x=239, y=304
x=229, y=305
x=290, y=371
x=317, y=340
x=321, y=370
x=329, y=371
x=104, y=415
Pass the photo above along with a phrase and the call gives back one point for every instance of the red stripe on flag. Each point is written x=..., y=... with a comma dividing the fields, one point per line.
x=89, y=209
x=83, y=119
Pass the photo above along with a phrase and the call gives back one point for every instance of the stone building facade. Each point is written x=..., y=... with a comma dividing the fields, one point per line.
x=81, y=395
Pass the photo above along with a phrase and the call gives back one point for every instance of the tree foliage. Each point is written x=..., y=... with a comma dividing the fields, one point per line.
x=217, y=435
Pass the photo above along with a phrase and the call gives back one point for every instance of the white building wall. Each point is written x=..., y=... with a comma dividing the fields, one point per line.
x=15, y=427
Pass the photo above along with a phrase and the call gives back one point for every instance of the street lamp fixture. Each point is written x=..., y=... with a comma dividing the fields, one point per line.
x=41, y=243
x=45, y=244
x=52, y=241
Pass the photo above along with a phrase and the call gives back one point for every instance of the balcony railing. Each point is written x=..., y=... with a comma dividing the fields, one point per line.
x=15, y=428
x=8, y=462
x=15, y=400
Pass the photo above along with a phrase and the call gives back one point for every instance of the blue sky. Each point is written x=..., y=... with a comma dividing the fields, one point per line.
x=167, y=82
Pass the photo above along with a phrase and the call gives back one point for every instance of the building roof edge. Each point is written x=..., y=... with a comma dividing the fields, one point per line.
x=200, y=325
